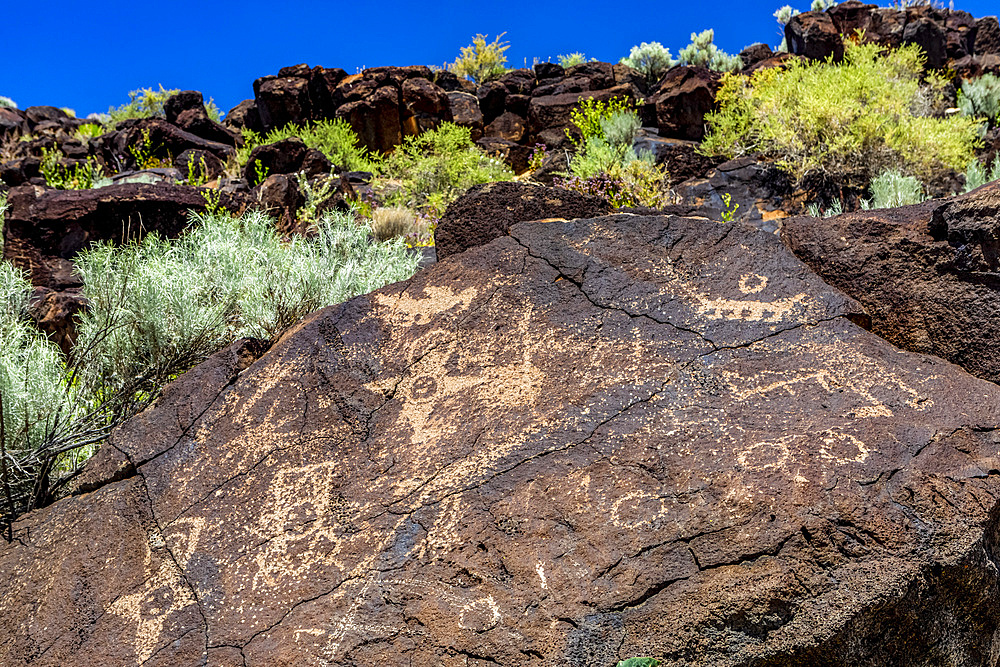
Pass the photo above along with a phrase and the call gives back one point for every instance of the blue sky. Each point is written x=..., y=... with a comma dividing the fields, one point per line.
x=87, y=56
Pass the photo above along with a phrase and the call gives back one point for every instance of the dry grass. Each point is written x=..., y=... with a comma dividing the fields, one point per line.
x=392, y=222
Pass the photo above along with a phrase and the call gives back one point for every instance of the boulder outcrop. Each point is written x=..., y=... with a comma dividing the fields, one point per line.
x=580, y=442
x=927, y=274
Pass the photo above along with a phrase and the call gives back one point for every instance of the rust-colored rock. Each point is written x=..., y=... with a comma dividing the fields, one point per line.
x=581, y=442
x=926, y=273
x=682, y=99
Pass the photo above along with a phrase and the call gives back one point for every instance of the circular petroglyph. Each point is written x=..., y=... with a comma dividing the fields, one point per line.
x=764, y=455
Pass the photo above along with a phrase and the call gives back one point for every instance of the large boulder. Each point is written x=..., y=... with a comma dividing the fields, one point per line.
x=926, y=273
x=814, y=35
x=45, y=229
x=487, y=211
x=987, y=36
x=465, y=111
x=376, y=119
x=581, y=442
x=683, y=98
x=157, y=138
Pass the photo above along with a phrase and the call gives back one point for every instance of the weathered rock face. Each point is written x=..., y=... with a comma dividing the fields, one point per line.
x=683, y=98
x=487, y=211
x=582, y=442
x=45, y=229
x=927, y=274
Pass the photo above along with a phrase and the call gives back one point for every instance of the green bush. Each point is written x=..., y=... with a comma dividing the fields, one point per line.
x=606, y=164
x=430, y=170
x=481, y=61
x=822, y=5
x=976, y=175
x=892, y=189
x=7, y=102
x=334, y=138
x=81, y=176
x=701, y=52
x=650, y=59
x=981, y=98
x=854, y=118
x=571, y=59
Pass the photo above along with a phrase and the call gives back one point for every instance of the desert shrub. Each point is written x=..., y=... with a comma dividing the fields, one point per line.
x=822, y=5
x=334, y=138
x=836, y=208
x=701, y=52
x=148, y=103
x=80, y=176
x=142, y=103
x=784, y=15
x=650, y=59
x=158, y=307
x=980, y=98
x=977, y=176
x=570, y=59
x=892, y=189
x=481, y=61
x=606, y=163
x=853, y=118
x=7, y=102
x=639, y=662
x=432, y=169
x=36, y=399
x=88, y=131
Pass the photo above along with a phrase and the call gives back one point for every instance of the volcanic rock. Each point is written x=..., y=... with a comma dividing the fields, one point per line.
x=815, y=36
x=45, y=229
x=581, y=442
x=487, y=211
x=465, y=112
x=683, y=98
x=926, y=274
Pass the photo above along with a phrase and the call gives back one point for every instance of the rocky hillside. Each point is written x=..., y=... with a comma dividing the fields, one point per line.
x=696, y=421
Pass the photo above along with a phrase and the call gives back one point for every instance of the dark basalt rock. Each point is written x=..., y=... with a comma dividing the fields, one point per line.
x=815, y=36
x=927, y=274
x=162, y=139
x=281, y=157
x=487, y=211
x=45, y=229
x=683, y=98
x=465, y=111
x=581, y=442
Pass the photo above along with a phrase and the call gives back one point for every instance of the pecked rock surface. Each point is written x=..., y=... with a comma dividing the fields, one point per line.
x=928, y=274
x=580, y=442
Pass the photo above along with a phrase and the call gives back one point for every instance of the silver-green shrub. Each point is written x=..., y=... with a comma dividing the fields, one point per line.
x=891, y=189
x=977, y=176
x=650, y=59
x=158, y=307
x=37, y=403
x=981, y=97
x=701, y=52
x=7, y=102
x=570, y=59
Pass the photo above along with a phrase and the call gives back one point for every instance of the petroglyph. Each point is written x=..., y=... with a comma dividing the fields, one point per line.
x=146, y=609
